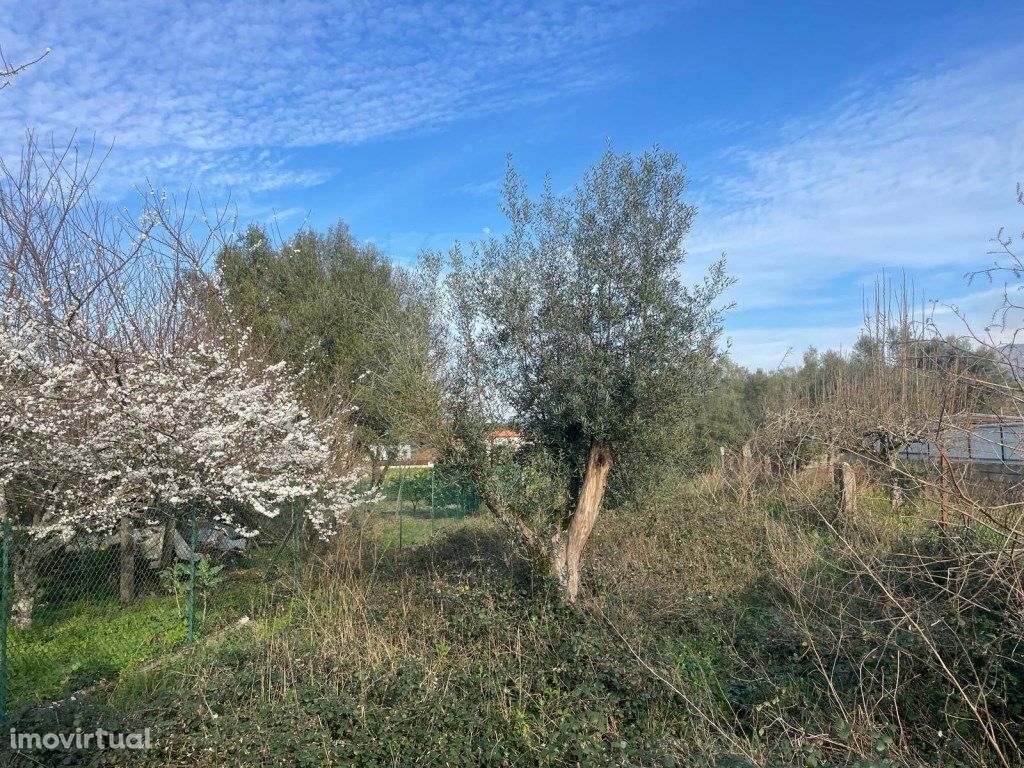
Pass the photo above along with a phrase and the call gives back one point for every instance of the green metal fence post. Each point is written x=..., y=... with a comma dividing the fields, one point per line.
x=5, y=604
x=296, y=523
x=433, y=477
x=401, y=485
x=192, y=576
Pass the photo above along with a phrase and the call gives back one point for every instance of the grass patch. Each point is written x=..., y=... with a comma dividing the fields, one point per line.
x=712, y=633
x=95, y=640
x=77, y=643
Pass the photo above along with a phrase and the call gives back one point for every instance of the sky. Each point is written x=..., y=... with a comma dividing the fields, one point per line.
x=824, y=142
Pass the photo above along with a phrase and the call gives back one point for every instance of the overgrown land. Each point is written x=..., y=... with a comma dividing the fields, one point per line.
x=616, y=547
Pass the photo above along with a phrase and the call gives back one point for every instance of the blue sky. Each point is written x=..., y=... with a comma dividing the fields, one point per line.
x=824, y=141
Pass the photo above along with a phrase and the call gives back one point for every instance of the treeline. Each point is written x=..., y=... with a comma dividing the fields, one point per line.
x=743, y=404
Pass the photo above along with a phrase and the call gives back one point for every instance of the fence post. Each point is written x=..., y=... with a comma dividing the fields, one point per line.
x=296, y=522
x=5, y=604
x=944, y=471
x=433, y=478
x=846, y=489
x=401, y=486
x=126, y=584
x=192, y=575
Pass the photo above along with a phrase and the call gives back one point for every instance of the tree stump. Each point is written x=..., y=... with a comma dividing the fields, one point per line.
x=846, y=490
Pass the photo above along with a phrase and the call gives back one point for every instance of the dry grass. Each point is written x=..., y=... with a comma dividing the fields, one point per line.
x=714, y=632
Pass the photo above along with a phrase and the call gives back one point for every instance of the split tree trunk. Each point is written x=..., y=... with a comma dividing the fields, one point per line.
x=563, y=553
x=567, y=546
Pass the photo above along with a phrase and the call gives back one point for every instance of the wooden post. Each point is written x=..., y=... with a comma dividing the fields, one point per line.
x=127, y=585
x=846, y=488
x=895, y=482
x=944, y=470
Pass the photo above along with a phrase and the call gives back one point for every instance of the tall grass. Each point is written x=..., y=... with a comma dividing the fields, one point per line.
x=720, y=628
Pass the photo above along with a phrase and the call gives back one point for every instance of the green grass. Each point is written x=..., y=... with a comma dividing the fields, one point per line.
x=417, y=506
x=82, y=635
x=395, y=532
x=708, y=635
x=97, y=639
x=74, y=644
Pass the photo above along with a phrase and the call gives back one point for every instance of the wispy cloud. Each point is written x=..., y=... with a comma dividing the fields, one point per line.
x=196, y=90
x=487, y=188
x=771, y=348
x=918, y=173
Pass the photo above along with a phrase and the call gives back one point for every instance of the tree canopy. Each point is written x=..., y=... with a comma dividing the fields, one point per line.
x=353, y=325
x=577, y=327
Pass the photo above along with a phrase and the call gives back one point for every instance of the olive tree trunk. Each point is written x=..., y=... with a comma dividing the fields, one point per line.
x=567, y=546
x=562, y=554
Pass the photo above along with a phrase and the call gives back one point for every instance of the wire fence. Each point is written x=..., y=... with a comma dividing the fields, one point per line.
x=424, y=500
x=78, y=613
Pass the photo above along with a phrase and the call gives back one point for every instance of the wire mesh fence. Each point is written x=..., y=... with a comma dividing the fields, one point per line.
x=76, y=613
x=416, y=502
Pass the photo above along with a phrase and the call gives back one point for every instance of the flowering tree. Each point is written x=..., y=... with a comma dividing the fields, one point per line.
x=118, y=397
x=80, y=451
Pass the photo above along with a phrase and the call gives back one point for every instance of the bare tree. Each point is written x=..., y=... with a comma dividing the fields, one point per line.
x=10, y=70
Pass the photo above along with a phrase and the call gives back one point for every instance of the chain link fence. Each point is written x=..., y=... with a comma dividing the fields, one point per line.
x=78, y=613
x=424, y=500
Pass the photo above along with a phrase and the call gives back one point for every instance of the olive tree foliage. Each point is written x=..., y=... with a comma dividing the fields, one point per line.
x=352, y=325
x=577, y=328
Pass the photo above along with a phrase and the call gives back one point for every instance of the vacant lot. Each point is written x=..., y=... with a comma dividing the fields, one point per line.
x=713, y=632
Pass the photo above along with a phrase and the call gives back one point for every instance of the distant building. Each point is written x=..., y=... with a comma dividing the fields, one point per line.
x=1012, y=358
x=507, y=438
x=414, y=455
x=392, y=452
x=974, y=438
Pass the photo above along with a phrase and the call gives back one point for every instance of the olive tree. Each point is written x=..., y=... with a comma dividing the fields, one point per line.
x=577, y=327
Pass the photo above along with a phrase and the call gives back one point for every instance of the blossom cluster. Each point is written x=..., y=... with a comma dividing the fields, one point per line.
x=96, y=434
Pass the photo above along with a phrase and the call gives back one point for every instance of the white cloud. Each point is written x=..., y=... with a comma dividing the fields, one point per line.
x=195, y=90
x=917, y=174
